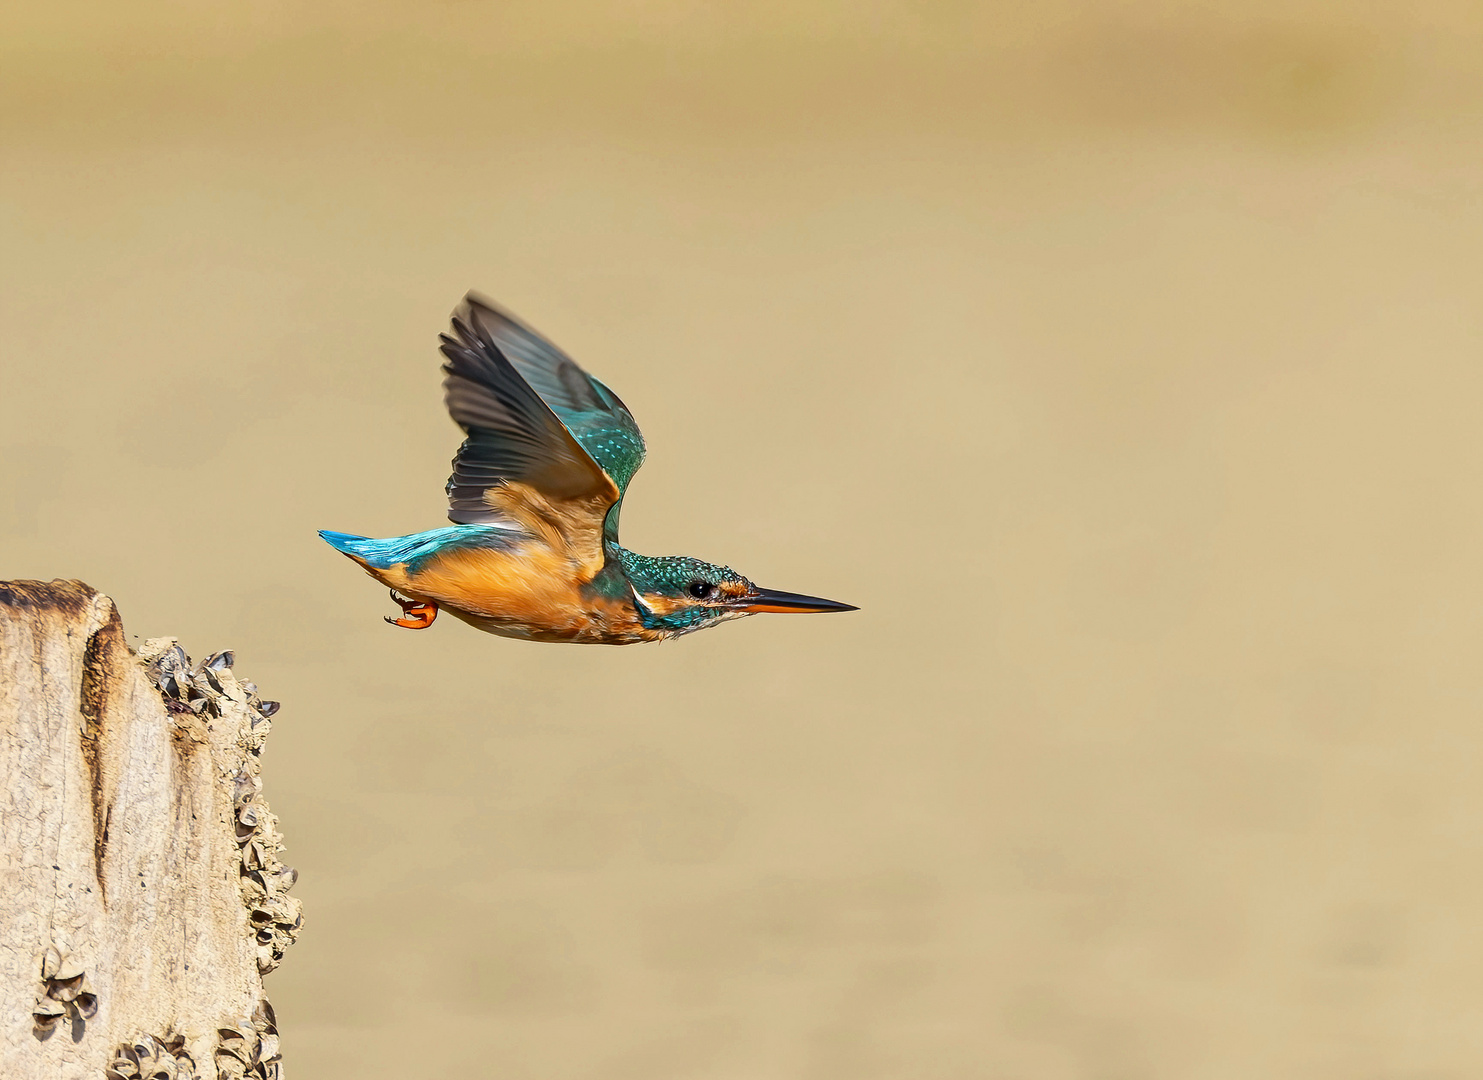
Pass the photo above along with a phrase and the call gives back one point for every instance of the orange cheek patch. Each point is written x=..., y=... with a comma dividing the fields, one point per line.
x=662, y=605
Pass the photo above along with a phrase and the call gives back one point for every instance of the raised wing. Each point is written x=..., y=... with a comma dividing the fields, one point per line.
x=595, y=416
x=520, y=464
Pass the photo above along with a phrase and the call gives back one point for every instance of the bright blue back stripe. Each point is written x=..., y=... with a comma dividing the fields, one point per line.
x=416, y=547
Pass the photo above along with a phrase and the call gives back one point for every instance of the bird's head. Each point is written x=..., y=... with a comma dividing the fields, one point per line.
x=675, y=594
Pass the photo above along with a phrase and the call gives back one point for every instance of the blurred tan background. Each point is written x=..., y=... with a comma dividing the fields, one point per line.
x=1120, y=359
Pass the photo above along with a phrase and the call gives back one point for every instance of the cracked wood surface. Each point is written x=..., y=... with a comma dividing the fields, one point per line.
x=141, y=899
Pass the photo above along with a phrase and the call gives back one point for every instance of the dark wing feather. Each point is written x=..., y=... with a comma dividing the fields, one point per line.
x=512, y=433
x=595, y=416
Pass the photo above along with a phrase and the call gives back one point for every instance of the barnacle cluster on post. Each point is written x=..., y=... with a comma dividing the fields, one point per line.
x=65, y=993
x=201, y=689
x=247, y=1050
x=274, y=915
x=149, y=1058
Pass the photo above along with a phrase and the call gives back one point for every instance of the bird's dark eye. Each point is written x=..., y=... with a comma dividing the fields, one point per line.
x=701, y=590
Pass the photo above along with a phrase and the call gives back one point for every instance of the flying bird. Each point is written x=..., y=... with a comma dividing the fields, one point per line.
x=534, y=497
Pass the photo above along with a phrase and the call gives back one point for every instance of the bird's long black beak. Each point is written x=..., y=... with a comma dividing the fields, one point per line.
x=788, y=603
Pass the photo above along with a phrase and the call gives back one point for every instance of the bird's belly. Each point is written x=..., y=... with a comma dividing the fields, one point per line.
x=575, y=632
x=530, y=593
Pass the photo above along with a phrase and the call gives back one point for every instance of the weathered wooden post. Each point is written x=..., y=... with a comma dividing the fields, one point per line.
x=141, y=896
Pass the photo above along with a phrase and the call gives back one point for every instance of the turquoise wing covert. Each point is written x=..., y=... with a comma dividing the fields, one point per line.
x=596, y=417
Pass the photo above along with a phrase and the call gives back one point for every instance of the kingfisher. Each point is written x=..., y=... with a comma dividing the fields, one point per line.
x=534, y=497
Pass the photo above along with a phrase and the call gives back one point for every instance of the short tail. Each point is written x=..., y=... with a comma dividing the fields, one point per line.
x=415, y=549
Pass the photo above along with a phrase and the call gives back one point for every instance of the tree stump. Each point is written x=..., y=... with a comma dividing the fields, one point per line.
x=141, y=896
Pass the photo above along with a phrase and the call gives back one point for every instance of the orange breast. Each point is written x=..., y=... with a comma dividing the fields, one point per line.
x=531, y=592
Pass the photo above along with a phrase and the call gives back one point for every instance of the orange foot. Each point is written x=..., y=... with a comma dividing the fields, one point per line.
x=416, y=615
